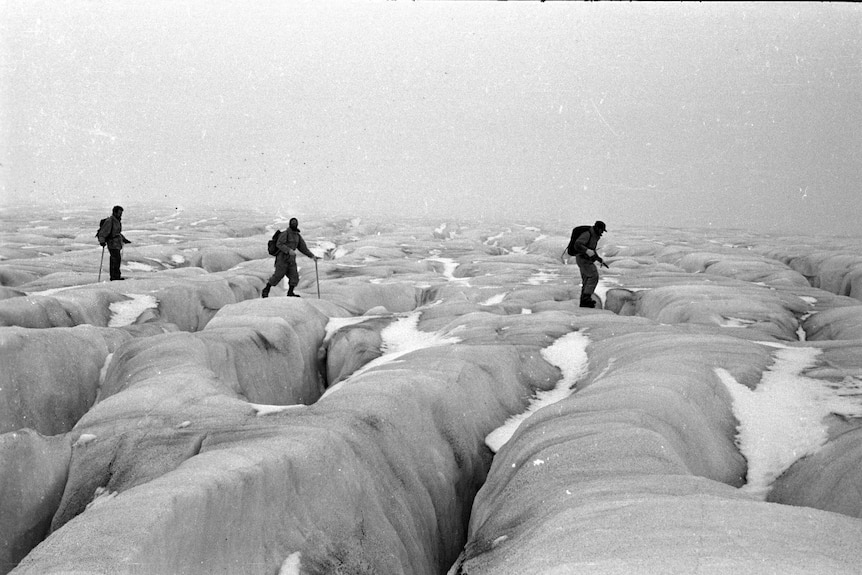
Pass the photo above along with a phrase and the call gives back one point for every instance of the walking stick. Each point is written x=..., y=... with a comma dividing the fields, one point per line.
x=100, y=264
x=317, y=278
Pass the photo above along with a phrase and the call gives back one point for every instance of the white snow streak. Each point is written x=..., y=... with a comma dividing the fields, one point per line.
x=138, y=267
x=449, y=268
x=782, y=420
x=543, y=276
x=494, y=299
x=291, y=565
x=569, y=353
x=126, y=312
x=399, y=338
x=336, y=323
x=262, y=410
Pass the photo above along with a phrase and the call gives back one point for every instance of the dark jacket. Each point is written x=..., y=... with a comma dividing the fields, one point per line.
x=290, y=241
x=587, y=240
x=111, y=234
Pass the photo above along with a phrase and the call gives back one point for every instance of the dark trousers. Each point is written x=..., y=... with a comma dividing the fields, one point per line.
x=116, y=258
x=589, y=276
x=285, y=264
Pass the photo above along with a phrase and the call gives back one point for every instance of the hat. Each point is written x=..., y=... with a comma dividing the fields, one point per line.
x=600, y=226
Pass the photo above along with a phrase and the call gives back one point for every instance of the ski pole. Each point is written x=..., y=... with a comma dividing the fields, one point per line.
x=102, y=261
x=317, y=278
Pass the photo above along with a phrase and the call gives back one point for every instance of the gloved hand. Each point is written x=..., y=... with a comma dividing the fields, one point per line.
x=103, y=244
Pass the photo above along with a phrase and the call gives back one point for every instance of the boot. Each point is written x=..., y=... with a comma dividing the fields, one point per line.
x=265, y=291
x=290, y=292
x=587, y=301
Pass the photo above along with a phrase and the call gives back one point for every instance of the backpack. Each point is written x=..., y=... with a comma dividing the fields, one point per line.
x=576, y=233
x=270, y=245
x=101, y=223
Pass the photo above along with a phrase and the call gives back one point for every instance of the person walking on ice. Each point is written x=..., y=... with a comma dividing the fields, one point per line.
x=111, y=235
x=289, y=242
x=583, y=246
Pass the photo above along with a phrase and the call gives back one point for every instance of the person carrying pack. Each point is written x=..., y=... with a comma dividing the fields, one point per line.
x=287, y=243
x=272, y=244
x=582, y=245
x=110, y=234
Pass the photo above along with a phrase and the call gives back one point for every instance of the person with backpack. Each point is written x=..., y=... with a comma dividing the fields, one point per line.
x=288, y=243
x=110, y=234
x=582, y=245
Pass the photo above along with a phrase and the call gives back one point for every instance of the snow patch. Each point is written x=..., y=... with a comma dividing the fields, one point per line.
x=492, y=240
x=51, y=291
x=84, y=439
x=602, y=289
x=443, y=231
x=291, y=564
x=735, y=322
x=398, y=339
x=542, y=277
x=327, y=246
x=494, y=299
x=402, y=337
x=569, y=354
x=104, y=371
x=782, y=420
x=340, y=253
x=138, y=267
x=197, y=223
x=262, y=410
x=336, y=323
x=126, y=312
x=449, y=267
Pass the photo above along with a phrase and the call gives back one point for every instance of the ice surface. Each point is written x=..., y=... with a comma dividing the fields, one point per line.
x=399, y=267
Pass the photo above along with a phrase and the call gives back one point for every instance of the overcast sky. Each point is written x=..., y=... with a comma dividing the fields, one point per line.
x=682, y=114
